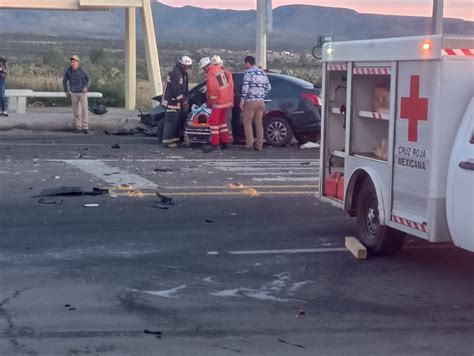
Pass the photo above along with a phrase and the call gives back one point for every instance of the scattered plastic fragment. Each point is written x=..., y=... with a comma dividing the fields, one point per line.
x=302, y=312
x=158, y=334
x=210, y=221
x=166, y=169
x=310, y=145
x=236, y=185
x=116, y=146
x=164, y=199
x=71, y=192
x=291, y=344
x=50, y=201
x=250, y=192
x=135, y=193
x=91, y=205
x=125, y=187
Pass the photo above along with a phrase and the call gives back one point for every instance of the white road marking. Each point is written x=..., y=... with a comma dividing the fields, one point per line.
x=170, y=293
x=288, y=251
x=106, y=173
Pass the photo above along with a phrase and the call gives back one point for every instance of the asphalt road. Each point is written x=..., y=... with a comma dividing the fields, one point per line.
x=246, y=260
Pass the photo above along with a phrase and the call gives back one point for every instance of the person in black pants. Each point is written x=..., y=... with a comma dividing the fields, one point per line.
x=175, y=99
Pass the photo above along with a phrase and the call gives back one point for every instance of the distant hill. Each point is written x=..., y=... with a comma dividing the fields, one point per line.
x=295, y=26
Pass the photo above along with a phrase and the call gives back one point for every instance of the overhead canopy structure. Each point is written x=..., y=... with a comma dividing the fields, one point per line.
x=151, y=49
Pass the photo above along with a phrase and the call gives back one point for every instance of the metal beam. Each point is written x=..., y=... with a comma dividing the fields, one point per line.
x=151, y=50
x=130, y=59
x=40, y=5
x=437, y=20
x=110, y=3
x=68, y=4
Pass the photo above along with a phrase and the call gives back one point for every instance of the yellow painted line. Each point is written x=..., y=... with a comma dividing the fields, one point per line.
x=224, y=193
x=245, y=186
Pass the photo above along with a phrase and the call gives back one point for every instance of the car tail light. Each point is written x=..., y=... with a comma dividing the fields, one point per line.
x=314, y=98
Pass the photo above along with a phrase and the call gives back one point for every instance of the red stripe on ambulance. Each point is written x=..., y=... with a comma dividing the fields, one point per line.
x=372, y=70
x=337, y=67
x=461, y=52
x=409, y=223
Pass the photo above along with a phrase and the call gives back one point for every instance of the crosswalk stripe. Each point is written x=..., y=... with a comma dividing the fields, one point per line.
x=111, y=175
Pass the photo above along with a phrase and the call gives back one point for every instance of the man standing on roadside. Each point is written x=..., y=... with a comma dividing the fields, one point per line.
x=76, y=84
x=254, y=89
x=220, y=97
x=3, y=83
x=175, y=101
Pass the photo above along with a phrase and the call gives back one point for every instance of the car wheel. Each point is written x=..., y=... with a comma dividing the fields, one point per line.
x=305, y=137
x=278, y=131
x=378, y=239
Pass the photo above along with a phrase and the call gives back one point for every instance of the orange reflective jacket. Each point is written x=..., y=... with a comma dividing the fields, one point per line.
x=220, y=88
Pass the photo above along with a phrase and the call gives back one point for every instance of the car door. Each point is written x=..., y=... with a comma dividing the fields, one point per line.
x=237, y=120
x=459, y=195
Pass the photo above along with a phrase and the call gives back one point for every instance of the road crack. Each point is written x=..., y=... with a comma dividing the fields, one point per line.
x=11, y=329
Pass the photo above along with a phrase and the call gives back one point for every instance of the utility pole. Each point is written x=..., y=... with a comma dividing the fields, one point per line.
x=264, y=26
x=437, y=19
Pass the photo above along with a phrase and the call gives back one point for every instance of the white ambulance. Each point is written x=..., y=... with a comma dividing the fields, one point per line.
x=397, y=144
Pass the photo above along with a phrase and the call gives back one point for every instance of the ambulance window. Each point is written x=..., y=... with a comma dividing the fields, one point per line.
x=371, y=111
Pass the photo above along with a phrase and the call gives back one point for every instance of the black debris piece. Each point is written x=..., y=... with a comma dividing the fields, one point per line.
x=111, y=174
x=72, y=308
x=289, y=343
x=164, y=199
x=305, y=163
x=166, y=169
x=210, y=221
x=72, y=192
x=67, y=305
x=27, y=247
x=50, y=201
x=158, y=334
x=116, y=146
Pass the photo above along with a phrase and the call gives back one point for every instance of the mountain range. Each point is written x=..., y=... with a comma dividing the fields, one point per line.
x=294, y=26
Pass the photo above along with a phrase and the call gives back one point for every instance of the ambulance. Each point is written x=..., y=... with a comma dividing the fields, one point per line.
x=397, y=143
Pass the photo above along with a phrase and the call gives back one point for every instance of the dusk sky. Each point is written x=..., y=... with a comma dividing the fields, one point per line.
x=453, y=8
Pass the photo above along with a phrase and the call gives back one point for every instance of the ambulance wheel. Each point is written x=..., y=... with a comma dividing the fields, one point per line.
x=278, y=131
x=378, y=239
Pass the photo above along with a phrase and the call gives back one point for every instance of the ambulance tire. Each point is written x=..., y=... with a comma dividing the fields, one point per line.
x=378, y=239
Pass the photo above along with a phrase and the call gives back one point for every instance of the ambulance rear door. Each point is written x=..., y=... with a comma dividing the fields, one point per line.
x=412, y=150
x=460, y=189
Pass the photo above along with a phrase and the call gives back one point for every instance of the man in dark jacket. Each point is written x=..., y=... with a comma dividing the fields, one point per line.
x=175, y=99
x=76, y=84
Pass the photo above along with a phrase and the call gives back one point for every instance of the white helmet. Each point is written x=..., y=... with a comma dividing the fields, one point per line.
x=217, y=60
x=186, y=61
x=204, y=62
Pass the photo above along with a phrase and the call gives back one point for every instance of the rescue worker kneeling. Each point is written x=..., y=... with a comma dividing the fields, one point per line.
x=220, y=97
x=175, y=100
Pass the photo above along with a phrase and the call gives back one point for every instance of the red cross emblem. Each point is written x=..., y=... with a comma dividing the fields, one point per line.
x=414, y=108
